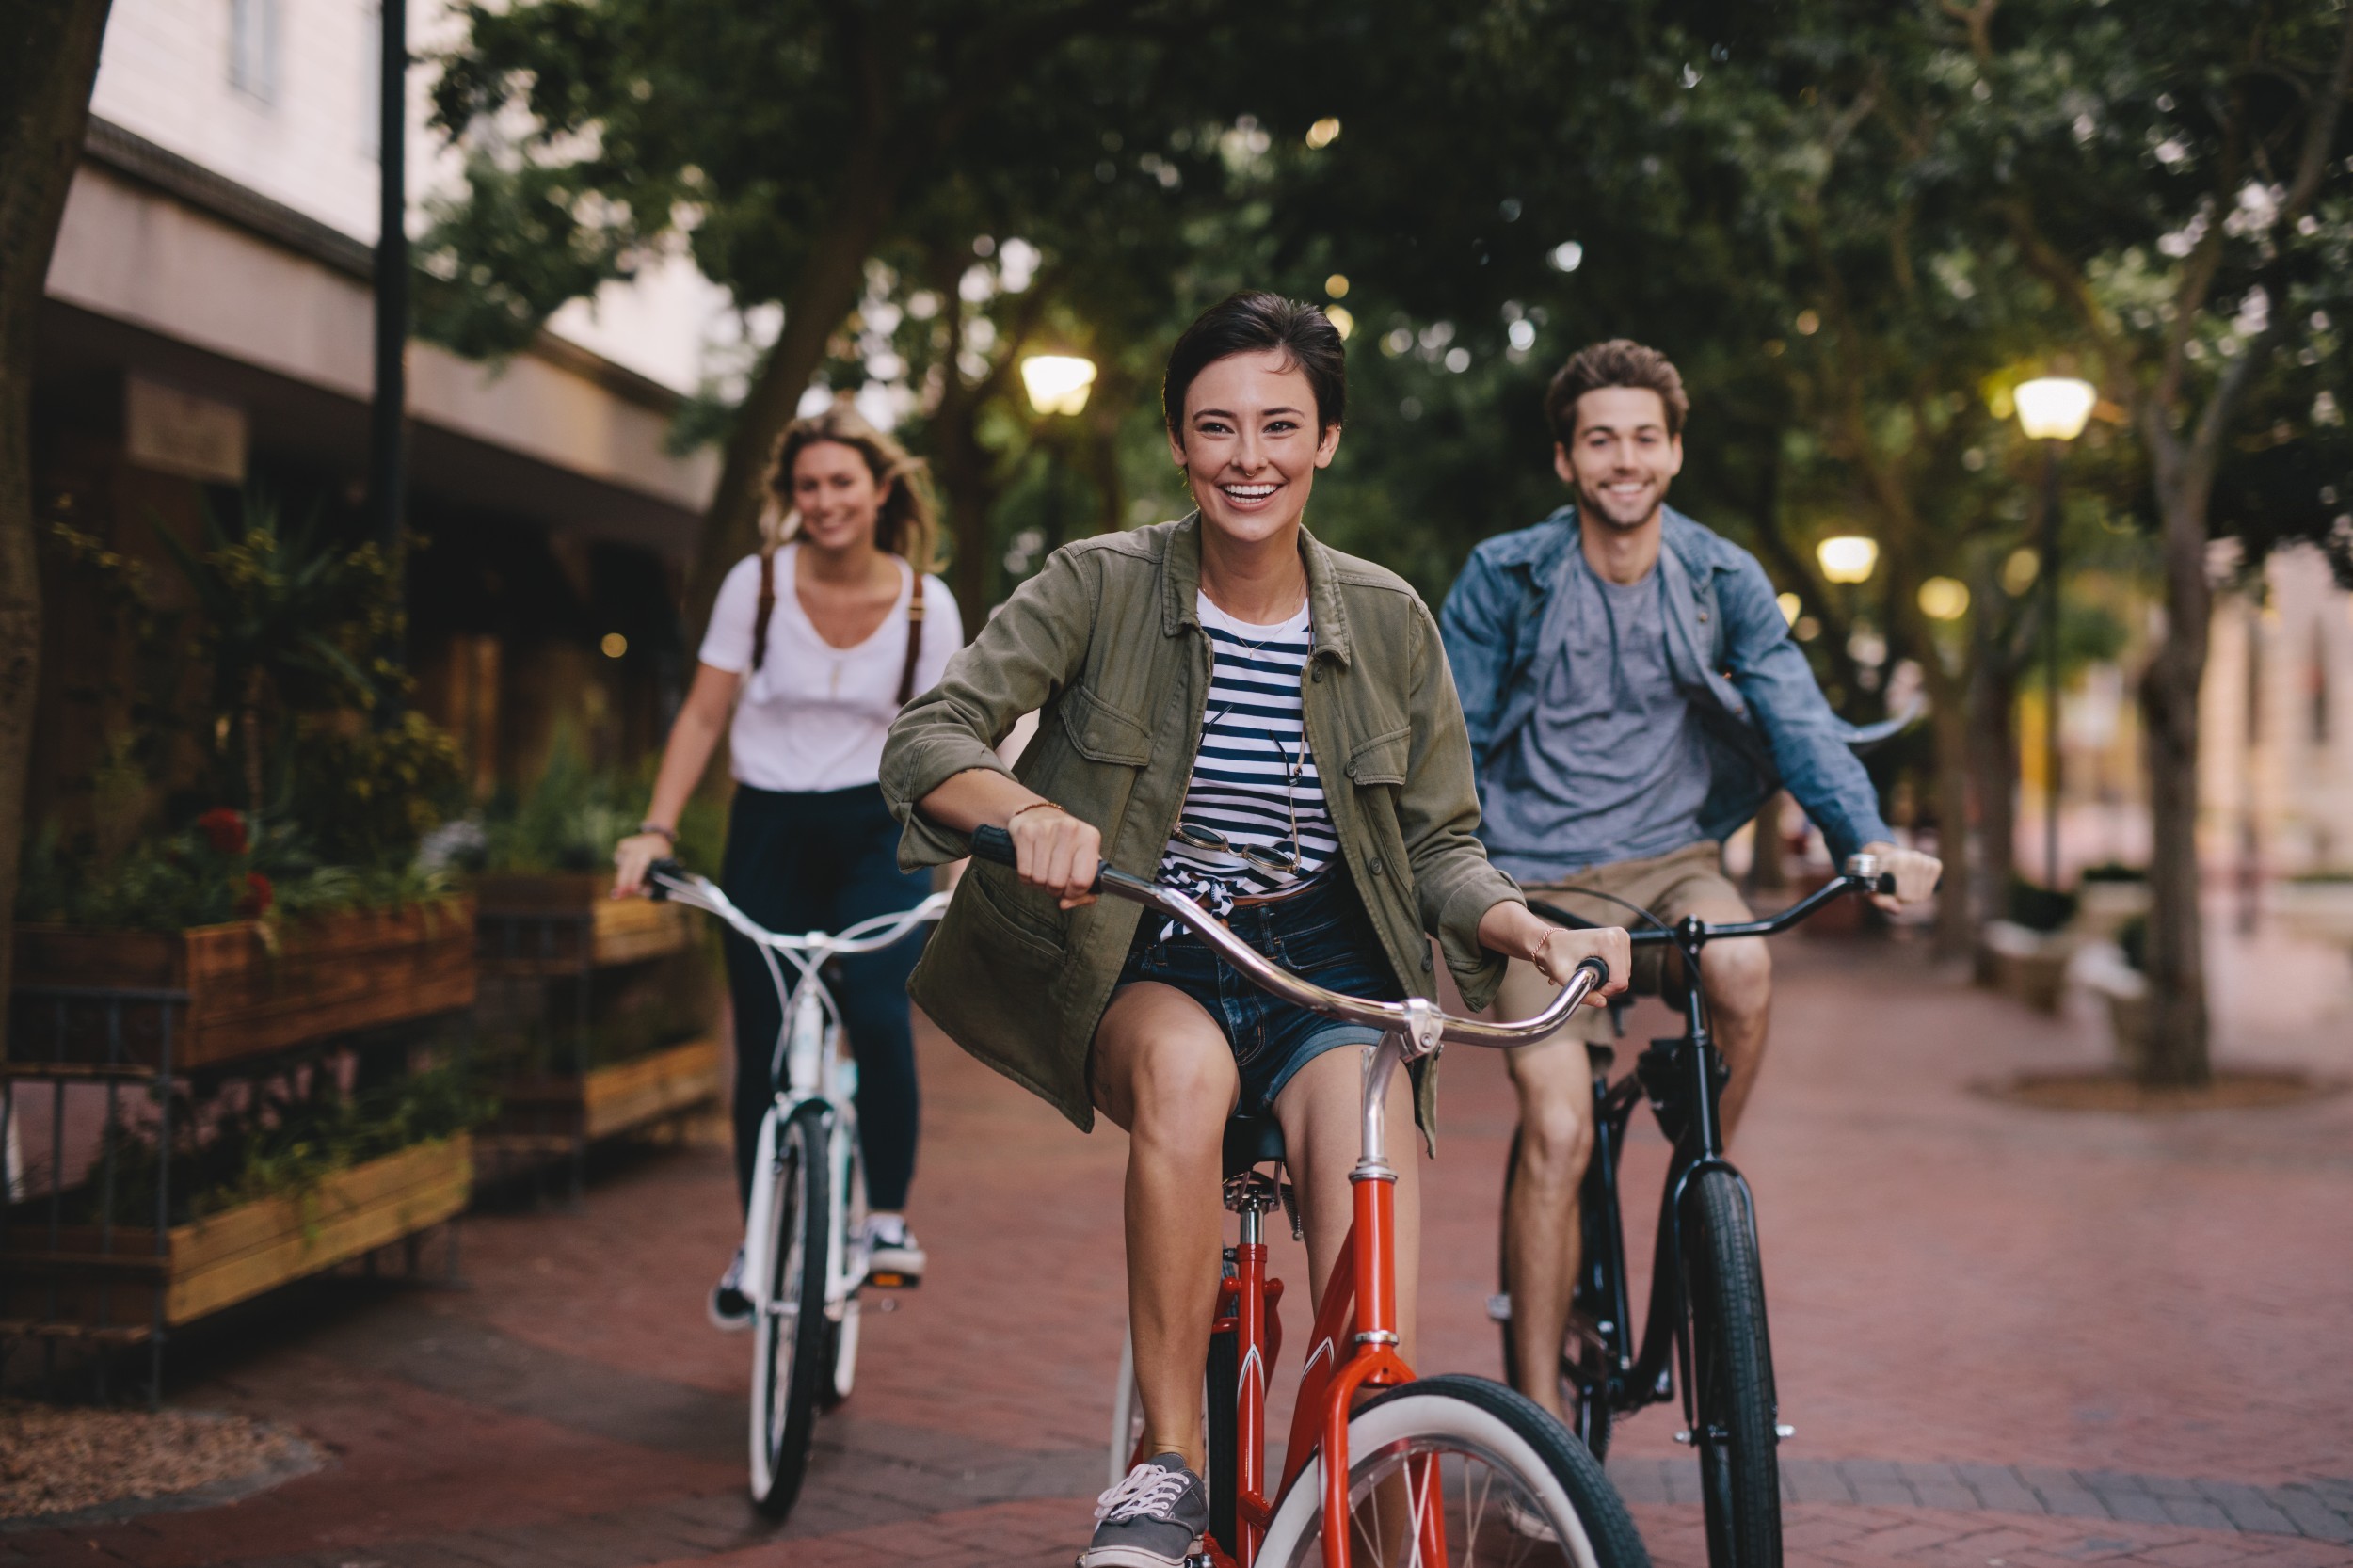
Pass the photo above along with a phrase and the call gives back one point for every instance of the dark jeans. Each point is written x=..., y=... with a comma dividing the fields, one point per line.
x=820, y=862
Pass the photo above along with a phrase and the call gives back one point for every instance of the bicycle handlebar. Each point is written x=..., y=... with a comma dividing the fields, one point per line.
x=668, y=879
x=1860, y=874
x=1416, y=1021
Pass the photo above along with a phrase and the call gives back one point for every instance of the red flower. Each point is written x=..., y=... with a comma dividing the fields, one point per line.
x=225, y=829
x=259, y=895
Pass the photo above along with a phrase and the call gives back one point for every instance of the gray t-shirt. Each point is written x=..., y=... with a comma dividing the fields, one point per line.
x=1611, y=765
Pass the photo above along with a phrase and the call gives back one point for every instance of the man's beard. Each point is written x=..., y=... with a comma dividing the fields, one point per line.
x=1593, y=505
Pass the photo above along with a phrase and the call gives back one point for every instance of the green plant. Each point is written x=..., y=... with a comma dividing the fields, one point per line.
x=2115, y=871
x=2131, y=939
x=572, y=816
x=291, y=1135
x=2039, y=908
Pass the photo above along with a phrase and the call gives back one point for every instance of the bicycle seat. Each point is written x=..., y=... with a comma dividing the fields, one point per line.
x=1252, y=1140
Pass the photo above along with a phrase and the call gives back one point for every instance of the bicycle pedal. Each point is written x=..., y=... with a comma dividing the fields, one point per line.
x=1499, y=1307
x=884, y=1279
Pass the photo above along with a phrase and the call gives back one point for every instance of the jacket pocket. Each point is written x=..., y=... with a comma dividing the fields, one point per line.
x=1008, y=913
x=1101, y=733
x=1382, y=760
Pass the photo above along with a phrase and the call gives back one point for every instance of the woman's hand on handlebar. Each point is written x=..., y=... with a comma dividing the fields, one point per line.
x=632, y=856
x=1056, y=851
x=1557, y=951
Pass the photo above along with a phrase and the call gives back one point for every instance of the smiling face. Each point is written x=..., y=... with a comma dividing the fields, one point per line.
x=836, y=495
x=1250, y=445
x=1621, y=457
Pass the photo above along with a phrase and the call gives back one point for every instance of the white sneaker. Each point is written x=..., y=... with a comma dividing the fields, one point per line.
x=894, y=1258
x=730, y=1309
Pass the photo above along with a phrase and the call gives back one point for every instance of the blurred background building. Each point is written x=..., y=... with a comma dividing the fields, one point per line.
x=208, y=329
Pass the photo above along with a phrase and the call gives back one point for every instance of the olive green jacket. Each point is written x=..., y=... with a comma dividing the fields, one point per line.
x=1104, y=644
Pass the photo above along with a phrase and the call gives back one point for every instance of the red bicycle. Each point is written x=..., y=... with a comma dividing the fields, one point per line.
x=1425, y=1471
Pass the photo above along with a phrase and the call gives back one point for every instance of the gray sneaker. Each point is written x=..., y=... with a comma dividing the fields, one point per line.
x=1153, y=1519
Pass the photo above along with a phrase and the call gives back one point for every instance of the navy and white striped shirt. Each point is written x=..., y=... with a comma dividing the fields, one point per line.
x=1253, y=769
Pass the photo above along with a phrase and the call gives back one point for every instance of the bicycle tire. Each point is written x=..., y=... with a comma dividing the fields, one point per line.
x=1548, y=1472
x=1222, y=1398
x=788, y=1338
x=1584, y=1373
x=842, y=1339
x=1732, y=1377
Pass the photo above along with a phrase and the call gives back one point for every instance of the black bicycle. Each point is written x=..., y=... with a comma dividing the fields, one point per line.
x=1706, y=1328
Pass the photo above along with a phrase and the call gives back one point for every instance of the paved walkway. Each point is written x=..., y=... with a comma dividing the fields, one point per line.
x=2007, y=1337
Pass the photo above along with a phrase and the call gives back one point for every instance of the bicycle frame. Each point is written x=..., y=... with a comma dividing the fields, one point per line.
x=1681, y=1077
x=1359, y=1305
x=808, y=1063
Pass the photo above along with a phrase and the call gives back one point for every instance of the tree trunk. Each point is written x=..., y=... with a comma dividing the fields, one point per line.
x=48, y=60
x=2168, y=697
x=1948, y=716
x=1992, y=761
x=828, y=286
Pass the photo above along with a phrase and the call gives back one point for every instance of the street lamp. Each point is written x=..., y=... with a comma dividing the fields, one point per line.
x=1847, y=557
x=1058, y=383
x=2052, y=409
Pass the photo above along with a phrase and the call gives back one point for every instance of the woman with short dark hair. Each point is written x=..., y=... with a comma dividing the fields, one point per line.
x=1229, y=705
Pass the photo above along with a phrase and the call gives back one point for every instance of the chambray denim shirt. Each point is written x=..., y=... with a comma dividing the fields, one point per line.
x=1765, y=721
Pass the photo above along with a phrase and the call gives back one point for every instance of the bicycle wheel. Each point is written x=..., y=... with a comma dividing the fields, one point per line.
x=842, y=1337
x=788, y=1341
x=1506, y=1476
x=1732, y=1377
x=1584, y=1373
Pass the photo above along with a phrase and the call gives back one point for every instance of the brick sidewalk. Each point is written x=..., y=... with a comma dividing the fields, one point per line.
x=2006, y=1336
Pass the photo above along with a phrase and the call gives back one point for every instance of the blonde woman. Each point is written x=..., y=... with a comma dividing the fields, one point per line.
x=814, y=645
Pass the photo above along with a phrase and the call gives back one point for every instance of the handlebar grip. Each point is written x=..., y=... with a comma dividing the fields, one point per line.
x=1886, y=883
x=1600, y=967
x=663, y=867
x=990, y=843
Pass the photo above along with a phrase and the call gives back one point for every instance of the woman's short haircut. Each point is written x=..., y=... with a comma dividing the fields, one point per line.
x=1252, y=322
x=1619, y=362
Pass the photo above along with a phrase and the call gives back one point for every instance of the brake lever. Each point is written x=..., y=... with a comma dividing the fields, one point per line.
x=657, y=889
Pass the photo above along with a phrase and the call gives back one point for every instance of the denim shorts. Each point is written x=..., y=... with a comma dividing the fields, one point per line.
x=1321, y=933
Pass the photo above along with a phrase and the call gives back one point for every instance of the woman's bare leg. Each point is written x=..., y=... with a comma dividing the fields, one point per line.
x=1321, y=1110
x=1161, y=1069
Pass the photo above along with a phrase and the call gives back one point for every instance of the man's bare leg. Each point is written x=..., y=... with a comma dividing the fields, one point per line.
x=1161, y=1069
x=1541, y=1221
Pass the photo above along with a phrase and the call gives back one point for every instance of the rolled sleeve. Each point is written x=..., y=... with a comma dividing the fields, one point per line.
x=1025, y=654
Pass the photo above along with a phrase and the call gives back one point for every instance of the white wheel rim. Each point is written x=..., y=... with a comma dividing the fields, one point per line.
x=1379, y=1433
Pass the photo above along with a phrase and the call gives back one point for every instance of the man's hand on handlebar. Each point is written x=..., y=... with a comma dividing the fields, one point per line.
x=1916, y=874
x=1055, y=851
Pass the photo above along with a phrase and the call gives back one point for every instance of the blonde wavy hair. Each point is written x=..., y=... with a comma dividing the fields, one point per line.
x=907, y=523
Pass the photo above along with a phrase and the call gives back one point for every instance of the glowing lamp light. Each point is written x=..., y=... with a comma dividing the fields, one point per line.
x=1058, y=383
x=2054, y=408
x=1342, y=320
x=1790, y=604
x=1847, y=557
x=1943, y=599
x=614, y=645
x=1323, y=133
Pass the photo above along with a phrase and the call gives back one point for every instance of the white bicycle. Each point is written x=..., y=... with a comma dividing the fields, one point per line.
x=804, y=1249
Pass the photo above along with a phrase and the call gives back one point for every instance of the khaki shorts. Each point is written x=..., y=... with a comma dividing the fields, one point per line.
x=1670, y=885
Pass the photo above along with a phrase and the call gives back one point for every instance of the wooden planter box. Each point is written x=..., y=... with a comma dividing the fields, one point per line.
x=534, y=923
x=239, y=1253
x=552, y=1115
x=2104, y=908
x=330, y=975
x=2028, y=965
x=2124, y=991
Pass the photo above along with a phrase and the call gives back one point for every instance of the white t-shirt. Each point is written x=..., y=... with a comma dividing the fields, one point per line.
x=814, y=715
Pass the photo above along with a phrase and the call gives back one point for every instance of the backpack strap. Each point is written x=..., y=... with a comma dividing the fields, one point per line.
x=767, y=608
x=915, y=640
